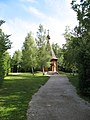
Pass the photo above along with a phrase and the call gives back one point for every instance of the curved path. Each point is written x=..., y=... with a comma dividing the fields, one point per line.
x=57, y=100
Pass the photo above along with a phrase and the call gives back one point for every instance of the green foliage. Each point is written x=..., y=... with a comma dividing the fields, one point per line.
x=70, y=51
x=29, y=53
x=43, y=48
x=78, y=47
x=7, y=61
x=16, y=61
x=1, y=69
x=5, y=44
x=16, y=93
x=75, y=82
x=57, y=50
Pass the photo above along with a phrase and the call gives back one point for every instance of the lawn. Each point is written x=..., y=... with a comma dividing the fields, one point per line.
x=16, y=92
x=75, y=82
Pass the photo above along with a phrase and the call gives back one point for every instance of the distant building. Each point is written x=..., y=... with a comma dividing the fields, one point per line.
x=53, y=66
x=53, y=61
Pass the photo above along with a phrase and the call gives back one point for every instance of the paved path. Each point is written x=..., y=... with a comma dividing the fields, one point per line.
x=57, y=100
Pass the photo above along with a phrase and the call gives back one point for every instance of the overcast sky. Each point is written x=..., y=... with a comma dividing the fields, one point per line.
x=23, y=16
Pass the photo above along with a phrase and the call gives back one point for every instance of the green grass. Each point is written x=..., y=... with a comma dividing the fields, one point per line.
x=16, y=92
x=75, y=82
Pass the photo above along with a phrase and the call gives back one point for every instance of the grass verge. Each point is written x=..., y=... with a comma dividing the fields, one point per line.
x=75, y=82
x=16, y=92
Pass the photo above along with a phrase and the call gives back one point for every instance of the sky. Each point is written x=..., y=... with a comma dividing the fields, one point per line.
x=23, y=16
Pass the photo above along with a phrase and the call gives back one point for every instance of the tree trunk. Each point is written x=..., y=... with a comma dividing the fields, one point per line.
x=17, y=68
x=43, y=71
x=32, y=71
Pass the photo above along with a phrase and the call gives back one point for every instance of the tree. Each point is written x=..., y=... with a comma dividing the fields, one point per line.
x=7, y=62
x=70, y=51
x=5, y=44
x=82, y=40
x=16, y=61
x=43, y=46
x=29, y=53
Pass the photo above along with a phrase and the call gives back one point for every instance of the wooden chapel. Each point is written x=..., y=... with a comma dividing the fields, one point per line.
x=53, y=65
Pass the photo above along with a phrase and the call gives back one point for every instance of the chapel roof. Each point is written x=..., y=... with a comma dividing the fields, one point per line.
x=53, y=56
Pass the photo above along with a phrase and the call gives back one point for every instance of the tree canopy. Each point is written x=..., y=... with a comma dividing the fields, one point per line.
x=5, y=44
x=77, y=47
x=16, y=61
x=29, y=53
x=43, y=46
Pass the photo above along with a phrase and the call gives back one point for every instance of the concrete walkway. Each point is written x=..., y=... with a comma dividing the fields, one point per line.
x=57, y=100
